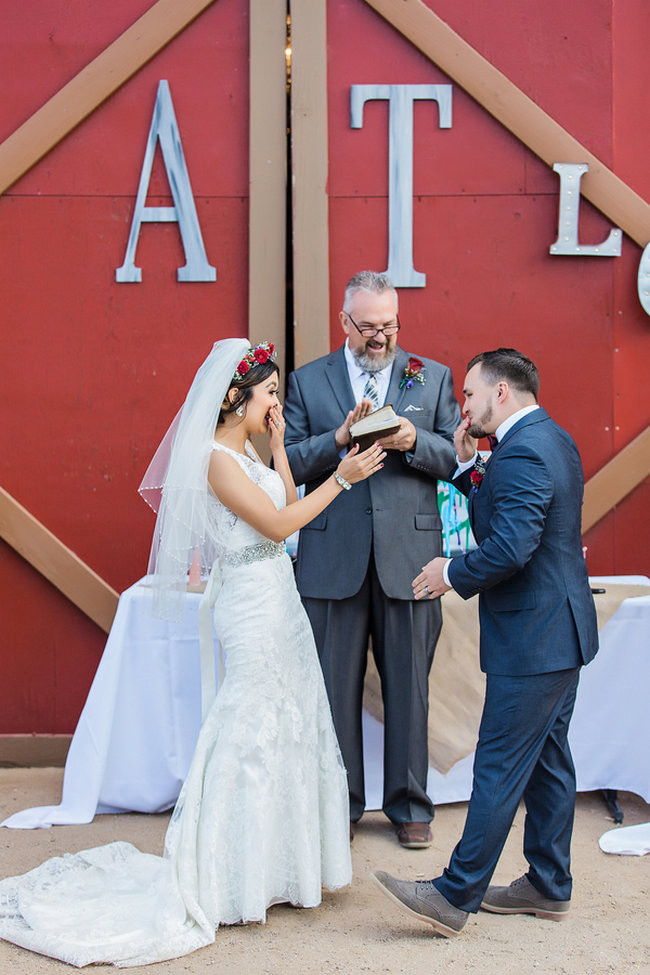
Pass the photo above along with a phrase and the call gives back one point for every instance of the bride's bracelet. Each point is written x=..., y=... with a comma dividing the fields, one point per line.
x=341, y=480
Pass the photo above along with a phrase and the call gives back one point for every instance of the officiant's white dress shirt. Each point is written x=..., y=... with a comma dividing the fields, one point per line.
x=359, y=378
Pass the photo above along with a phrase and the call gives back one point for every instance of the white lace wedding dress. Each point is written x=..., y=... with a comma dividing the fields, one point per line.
x=263, y=815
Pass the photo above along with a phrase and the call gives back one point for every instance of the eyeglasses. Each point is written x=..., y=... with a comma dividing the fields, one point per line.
x=368, y=331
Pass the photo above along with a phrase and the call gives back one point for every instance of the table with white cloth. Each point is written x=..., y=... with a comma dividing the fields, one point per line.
x=134, y=741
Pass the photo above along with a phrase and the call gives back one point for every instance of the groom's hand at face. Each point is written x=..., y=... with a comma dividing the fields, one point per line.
x=465, y=444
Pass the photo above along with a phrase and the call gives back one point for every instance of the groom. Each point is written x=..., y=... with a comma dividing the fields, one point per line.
x=538, y=627
x=356, y=560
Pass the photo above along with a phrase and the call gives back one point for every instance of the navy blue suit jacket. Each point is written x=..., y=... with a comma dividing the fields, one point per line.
x=536, y=608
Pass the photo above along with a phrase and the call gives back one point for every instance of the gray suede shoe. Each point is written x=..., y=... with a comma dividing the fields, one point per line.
x=422, y=899
x=522, y=898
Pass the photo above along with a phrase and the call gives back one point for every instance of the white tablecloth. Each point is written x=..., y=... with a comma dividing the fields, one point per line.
x=610, y=729
x=136, y=735
x=135, y=738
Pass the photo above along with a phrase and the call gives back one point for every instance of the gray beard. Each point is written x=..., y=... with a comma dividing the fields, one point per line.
x=371, y=364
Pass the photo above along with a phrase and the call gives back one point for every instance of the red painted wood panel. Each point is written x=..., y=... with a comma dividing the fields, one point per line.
x=50, y=651
x=93, y=371
x=631, y=357
x=207, y=69
x=558, y=56
x=486, y=210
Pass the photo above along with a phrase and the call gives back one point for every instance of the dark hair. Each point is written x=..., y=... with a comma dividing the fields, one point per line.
x=244, y=387
x=516, y=368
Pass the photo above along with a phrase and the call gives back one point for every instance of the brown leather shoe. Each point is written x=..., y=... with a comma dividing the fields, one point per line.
x=351, y=831
x=414, y=836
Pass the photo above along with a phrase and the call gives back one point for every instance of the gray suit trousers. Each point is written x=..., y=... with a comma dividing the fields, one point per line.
x=404, y=634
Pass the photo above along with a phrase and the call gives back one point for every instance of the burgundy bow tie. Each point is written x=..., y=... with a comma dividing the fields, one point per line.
x=492, y=440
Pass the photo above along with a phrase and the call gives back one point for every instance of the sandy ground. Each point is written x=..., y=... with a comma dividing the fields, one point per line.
x=359, y=930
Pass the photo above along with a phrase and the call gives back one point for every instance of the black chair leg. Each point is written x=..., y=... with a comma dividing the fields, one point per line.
x=610, y=797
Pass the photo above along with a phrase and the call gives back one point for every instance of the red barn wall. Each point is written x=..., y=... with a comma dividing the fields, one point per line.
x=93, y=371
x=486, y=210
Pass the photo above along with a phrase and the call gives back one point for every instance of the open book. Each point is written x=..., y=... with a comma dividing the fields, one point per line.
x=380, y=423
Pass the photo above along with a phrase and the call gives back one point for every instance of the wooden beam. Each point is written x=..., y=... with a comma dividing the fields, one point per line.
x=267, y=241
x=34, y=751
x=309, y=156
x=57, y=562
x=94, y=84
x=616, y=480
x=516, y=111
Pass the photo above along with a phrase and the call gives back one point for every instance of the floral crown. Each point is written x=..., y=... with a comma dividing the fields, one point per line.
x=260, y=354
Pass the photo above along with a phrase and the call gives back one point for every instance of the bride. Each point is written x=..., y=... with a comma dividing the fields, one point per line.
x=262, y=817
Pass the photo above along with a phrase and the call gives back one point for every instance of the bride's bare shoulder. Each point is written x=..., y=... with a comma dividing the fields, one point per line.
x=222, y=462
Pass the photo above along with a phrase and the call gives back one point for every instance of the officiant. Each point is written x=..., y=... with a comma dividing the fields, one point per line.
x=356, y=561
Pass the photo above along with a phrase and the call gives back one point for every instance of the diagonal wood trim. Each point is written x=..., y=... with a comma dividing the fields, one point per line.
x=56, y=562
x=94, y=84
x=516, y=111
x=616, y=479
x=309, y=156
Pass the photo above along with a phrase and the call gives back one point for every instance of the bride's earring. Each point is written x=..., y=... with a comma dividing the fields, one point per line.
x=239, y=411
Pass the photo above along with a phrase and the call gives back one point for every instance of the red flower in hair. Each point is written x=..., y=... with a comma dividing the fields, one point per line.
x=255, y=357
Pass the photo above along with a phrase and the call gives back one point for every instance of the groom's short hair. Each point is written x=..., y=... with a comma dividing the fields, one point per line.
x=516, y=368
x=371, y=281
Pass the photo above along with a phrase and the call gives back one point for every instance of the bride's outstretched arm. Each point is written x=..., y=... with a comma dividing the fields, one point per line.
x=253, y=505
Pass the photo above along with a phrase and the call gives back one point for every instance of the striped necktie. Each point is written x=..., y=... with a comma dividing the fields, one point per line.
x=370, y=391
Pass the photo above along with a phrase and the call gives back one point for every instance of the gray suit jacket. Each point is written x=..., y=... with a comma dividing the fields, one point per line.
x=536, y=608
x=395, y=512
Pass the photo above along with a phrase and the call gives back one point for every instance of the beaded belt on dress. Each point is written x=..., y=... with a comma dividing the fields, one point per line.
x=254, y=553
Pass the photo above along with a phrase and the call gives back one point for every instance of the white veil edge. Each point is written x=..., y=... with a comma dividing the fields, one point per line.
x=175, y=484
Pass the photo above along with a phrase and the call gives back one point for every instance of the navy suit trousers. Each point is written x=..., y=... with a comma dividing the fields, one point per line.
x=522, y=752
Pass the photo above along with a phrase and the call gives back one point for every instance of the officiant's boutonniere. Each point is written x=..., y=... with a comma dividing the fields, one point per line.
x=413, y=373
x=478, y=472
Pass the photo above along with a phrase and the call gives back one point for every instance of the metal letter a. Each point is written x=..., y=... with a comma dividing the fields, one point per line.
x=165, y=128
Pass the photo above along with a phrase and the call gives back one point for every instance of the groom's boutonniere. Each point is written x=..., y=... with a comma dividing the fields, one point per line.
x=478, y=472
x=412, y=373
